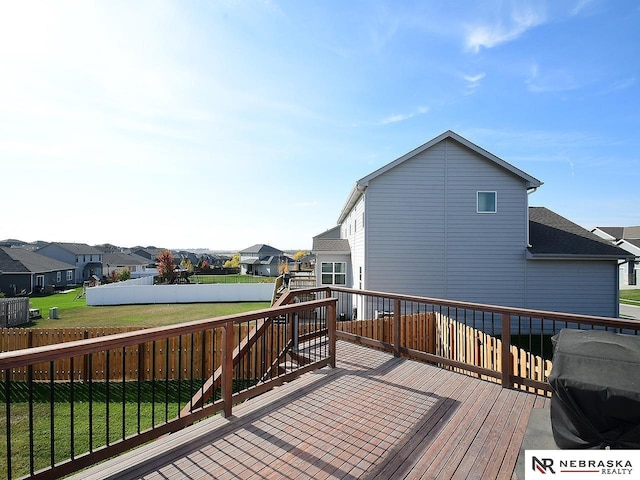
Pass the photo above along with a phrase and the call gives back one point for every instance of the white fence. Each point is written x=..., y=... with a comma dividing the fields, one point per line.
x=14, y=311
x=133, y=292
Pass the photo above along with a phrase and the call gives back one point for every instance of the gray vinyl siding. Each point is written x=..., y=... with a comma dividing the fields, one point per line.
x=583, y=287
x=446, y=249
x=353, y=230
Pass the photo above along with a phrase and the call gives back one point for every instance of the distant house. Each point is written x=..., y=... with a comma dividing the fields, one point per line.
x=261, y=259
x=118, y=261
x=25, y=272
x=86, y=259
x=150, y=253
x=451, y=220
x=627, y=238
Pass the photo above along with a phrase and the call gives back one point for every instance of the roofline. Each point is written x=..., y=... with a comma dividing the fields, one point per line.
x=559, y=256
x=354, y=196
x=363, y=183
x=331, y=252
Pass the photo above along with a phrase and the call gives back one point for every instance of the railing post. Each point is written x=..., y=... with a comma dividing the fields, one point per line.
x=431, y=332
x=227, y=368
x=396, y=328
x=331, y=332
x=506, y=350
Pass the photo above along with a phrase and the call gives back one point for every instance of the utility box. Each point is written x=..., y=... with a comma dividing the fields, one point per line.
x=53, y=313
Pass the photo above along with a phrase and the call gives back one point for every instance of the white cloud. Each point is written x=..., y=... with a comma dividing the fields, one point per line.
x=490, y=34
x=399, y=117
x=550, y=80
x=473, y=82
x=618, y=85
x=580, y=6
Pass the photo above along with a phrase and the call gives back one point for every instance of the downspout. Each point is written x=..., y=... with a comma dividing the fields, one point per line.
x=618, y=290
x=527, y=245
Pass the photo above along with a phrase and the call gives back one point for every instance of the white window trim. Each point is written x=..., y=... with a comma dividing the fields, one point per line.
x=333, y=273
x=478, y=201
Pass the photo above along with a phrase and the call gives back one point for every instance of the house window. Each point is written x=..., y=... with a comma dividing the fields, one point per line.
x=69, y=275
x=334, y=273
x=487, y=202
x=58, y=277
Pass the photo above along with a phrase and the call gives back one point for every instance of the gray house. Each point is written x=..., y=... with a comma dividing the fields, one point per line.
x=86, y=259
x=451, y=220
x=25, y=272
x=627, y=238
x=118, y=261
x=261, y=259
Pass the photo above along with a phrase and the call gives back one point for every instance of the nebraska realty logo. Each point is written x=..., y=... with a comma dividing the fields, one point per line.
x=582, y=464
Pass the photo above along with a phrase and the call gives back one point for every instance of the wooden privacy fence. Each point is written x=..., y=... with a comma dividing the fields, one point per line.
x=437, y=334
x=14, y=311
x=195, y=355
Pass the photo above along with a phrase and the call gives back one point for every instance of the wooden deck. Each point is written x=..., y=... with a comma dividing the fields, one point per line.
x=374, y=416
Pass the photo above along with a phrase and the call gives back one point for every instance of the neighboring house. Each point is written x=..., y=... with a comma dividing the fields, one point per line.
x=451, y=220
x=25, y=272
x=150, y=253
x=87, y=259
x=118, y=261
x=627, y=238
x=261, y=259
x=185, y=256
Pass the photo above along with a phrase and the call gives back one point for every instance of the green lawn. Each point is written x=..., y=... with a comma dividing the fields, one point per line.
x=104, y=420
x=74, y=312
x=631, y=297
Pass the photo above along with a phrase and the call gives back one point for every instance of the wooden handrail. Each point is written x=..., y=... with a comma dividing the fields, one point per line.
x=514, y=311
x=21, y=358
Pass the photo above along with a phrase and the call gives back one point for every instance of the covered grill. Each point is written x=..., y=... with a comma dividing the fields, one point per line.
x=595, y=382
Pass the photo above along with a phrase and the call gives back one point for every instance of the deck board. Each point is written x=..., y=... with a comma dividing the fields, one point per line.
x=374, y=416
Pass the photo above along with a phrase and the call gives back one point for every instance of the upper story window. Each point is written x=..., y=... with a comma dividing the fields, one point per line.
x=487, y=202
x=334, y=273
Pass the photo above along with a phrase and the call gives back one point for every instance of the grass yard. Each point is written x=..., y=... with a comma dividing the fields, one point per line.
x=74, y=312
x=93, y=422
x=145, y=402
x=631, y=297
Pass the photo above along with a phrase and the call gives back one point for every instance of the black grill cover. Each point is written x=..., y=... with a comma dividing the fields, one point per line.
x=595, y=383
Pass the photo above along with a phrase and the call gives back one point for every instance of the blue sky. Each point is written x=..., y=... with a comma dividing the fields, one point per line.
x=220, y=124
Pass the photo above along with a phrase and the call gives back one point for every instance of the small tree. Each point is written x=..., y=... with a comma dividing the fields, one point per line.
x=124, y=274
x=165, y=265
x=186, y=264
x=234, y=262
x=298, y=255
x=204, y=265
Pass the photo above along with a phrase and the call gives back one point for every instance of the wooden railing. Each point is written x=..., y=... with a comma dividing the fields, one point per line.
x=511, y=346
x=135, y=386
x=80, y=414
